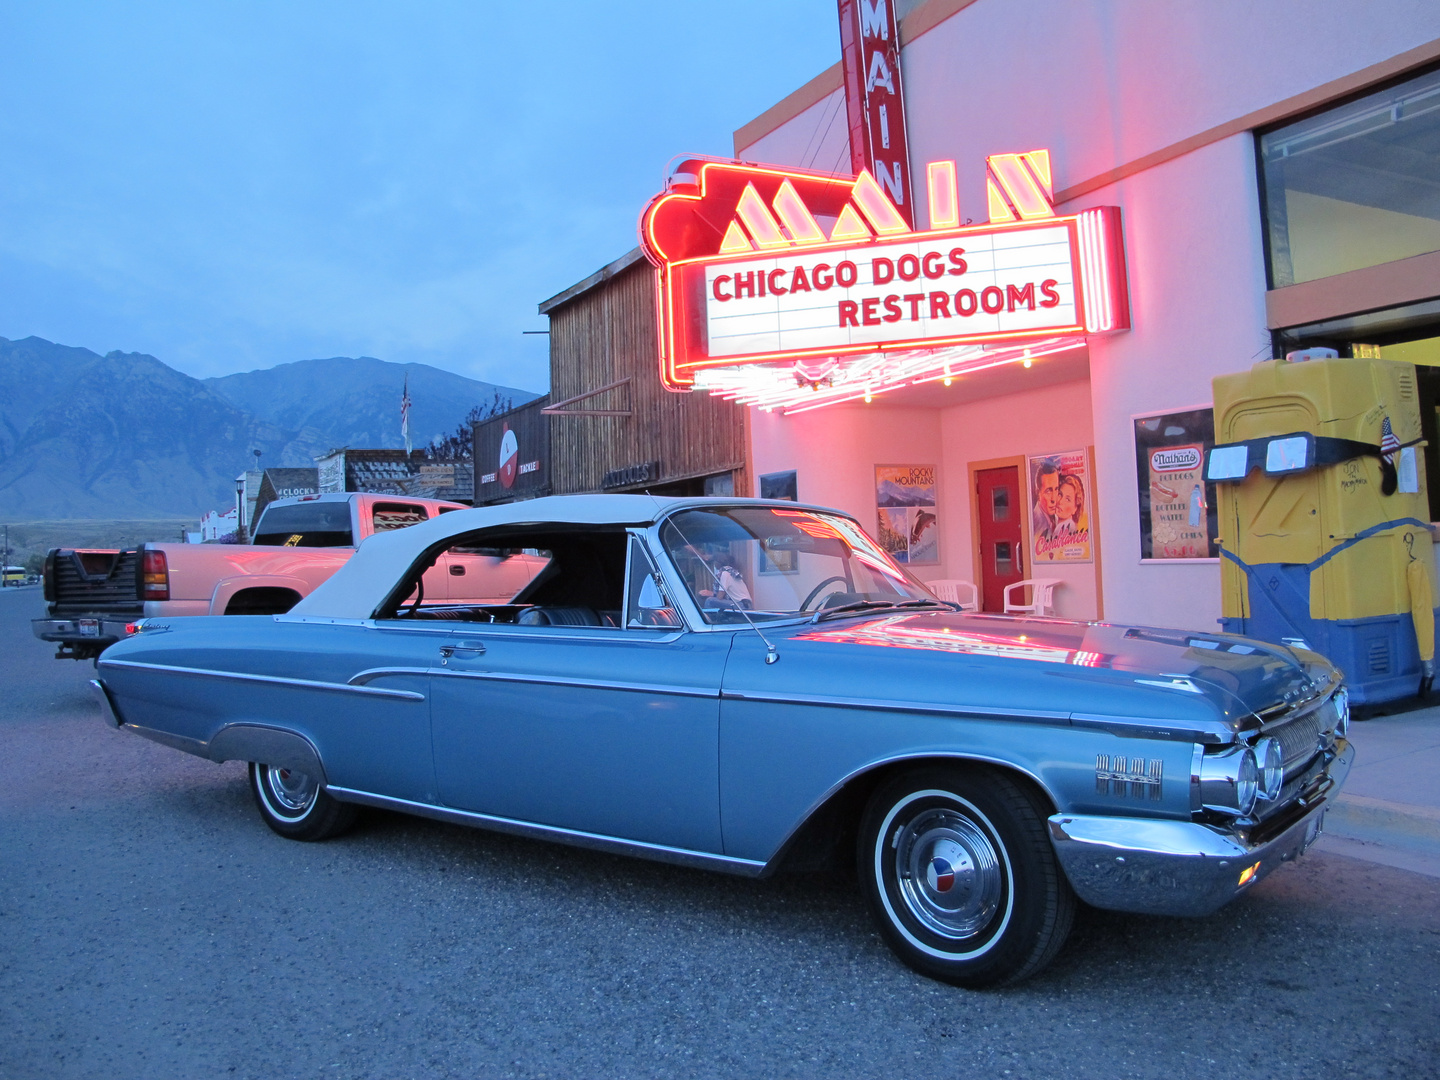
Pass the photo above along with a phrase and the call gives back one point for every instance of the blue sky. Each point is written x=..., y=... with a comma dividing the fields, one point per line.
x=230, y=186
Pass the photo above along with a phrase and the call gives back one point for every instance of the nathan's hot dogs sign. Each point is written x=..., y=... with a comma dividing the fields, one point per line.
x=792, y=289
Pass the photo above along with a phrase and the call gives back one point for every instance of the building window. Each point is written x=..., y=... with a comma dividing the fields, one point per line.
x=1355, y=186
x=1179, y=515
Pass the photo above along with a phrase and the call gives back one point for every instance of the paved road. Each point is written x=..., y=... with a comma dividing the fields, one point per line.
x=151, y=926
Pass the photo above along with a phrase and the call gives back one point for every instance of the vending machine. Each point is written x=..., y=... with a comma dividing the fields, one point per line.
x=1325, y=538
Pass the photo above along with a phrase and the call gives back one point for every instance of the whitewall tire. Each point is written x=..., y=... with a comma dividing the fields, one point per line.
x=296, y=806
x=960, y=875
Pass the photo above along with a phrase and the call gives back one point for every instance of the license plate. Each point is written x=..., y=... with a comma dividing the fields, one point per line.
x=88, y=627
x=1314, y=829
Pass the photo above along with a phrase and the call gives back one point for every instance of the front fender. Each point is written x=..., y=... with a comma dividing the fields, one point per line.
x=782, y=762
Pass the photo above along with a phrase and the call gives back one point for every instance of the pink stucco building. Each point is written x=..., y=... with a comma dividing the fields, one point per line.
x=1277, y=168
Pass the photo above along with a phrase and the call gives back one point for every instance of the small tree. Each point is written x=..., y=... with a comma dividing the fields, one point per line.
x=459, y=444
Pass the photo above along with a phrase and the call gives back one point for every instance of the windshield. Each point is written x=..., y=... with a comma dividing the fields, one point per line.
x=778, y=564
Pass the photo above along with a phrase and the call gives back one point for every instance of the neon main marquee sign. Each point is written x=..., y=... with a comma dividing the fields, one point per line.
x=791, y=289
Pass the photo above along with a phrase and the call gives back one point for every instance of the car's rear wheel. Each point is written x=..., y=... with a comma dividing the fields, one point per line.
x=296, y=806
x=960, y=875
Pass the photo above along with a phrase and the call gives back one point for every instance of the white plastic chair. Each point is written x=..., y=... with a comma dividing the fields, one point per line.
x=1042, y=596
x=956, y=591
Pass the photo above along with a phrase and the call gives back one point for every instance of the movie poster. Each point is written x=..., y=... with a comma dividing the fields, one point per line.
x=1177, y=503
x=1062, y=508
x=1178, y=518
x=905, y=502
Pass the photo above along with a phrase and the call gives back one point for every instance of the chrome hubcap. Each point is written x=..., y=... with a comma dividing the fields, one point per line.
x=293, y=790
x=950, y=876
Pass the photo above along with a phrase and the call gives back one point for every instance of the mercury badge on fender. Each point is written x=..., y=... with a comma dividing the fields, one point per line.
x=750, y=686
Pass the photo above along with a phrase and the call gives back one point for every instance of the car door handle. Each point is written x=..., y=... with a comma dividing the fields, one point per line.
x=464, y=650
x=456, y=570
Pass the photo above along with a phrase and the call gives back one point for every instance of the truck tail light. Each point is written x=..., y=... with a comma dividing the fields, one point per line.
x=156, y=580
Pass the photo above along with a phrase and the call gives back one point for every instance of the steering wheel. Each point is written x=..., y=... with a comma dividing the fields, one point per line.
x=805, y=606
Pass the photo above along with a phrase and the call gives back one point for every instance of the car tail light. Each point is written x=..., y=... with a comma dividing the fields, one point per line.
x=156, y=576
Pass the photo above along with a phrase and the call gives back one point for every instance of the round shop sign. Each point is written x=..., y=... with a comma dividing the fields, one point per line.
x=509, y=457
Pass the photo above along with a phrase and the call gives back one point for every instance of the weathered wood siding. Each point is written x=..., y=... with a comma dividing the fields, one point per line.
x=607, y=334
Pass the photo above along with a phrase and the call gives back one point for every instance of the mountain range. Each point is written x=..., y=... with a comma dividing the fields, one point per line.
x=127, y=436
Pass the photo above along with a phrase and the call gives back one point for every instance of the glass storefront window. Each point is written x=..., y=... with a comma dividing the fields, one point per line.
x=1178, y=507
x=1355, y=186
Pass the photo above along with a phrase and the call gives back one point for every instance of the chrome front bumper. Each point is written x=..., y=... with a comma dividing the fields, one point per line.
x=1158, y=867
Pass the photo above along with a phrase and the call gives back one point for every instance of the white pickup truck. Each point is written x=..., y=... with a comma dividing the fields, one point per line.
x=299, y=542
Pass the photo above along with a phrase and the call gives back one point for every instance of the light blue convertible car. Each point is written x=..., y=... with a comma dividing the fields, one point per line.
x=750, y=686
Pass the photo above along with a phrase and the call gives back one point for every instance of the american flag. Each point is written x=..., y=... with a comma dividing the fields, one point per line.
x=405, y=415
x=1389, y=444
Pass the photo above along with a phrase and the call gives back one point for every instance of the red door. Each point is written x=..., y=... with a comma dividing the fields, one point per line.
x=1001, y=540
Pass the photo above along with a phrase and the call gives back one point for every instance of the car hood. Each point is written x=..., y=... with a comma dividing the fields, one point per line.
x=1241, y=676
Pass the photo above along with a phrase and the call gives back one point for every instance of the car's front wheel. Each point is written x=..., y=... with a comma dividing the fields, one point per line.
x=296, y=806
x=961, y=877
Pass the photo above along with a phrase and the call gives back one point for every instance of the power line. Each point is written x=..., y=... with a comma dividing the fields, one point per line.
x=807, y=159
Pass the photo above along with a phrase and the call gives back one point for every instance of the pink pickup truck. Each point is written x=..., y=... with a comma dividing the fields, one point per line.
x=298, y=543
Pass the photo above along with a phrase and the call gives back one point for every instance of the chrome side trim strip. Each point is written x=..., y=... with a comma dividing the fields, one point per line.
x=107, y=707
x=1145, y=727
x=237, y=676
x=1034, y=716
x=514, y=632
x=324, y=620
x=569, y=680
x=678, y=856
x=369, y=675
x=175, y=742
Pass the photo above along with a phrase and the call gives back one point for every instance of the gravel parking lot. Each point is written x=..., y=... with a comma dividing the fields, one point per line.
x=150, y=925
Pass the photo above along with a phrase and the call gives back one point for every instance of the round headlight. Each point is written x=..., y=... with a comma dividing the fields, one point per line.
x=1230, y=781
x=1341, y=701
x=1271, y=762
x=1247, y=785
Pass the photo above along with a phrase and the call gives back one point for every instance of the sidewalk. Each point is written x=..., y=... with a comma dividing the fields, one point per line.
x=1389, y=810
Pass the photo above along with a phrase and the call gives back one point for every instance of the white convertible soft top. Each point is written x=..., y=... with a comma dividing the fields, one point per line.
x=356, y=589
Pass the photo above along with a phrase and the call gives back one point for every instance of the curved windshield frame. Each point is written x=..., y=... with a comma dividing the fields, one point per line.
x=764, y=563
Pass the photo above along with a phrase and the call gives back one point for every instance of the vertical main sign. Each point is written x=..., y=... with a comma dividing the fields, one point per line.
x=874, y=98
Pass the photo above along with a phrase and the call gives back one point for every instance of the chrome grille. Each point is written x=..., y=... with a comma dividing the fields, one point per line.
x=1300, y=735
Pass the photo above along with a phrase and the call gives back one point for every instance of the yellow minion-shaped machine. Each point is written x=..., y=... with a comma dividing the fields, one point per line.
x=1324, y=518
